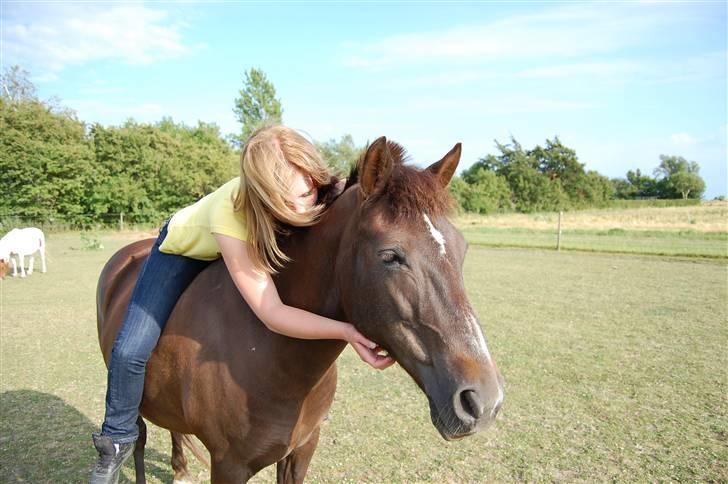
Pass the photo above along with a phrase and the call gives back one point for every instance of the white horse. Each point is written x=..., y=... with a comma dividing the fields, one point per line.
x=22, y=242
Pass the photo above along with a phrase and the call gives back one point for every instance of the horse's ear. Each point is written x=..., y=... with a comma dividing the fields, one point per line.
x=445, y=168
x=375, y=167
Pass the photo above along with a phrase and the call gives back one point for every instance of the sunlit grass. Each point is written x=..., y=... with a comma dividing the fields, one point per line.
x=708, y=217
x=615, y=369
x=700, y=231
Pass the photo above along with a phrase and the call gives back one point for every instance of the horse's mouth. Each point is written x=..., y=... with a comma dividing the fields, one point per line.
x=448, y=424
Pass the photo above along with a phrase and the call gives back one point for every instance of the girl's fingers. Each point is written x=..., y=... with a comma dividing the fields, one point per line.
x=372, y=358
x=383, y=362
x=360, y=338
x=367, y=342
x=364, y=353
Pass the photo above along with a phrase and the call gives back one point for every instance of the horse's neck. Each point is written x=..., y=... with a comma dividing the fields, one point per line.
x=310, y=280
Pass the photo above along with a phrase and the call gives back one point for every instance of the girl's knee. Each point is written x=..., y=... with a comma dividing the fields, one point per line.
x=131, y=354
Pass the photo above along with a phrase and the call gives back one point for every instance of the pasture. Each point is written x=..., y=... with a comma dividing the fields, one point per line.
x=615, y=369
x=691, y=231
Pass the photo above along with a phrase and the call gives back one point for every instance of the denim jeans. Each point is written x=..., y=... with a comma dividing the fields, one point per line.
x=161, y=282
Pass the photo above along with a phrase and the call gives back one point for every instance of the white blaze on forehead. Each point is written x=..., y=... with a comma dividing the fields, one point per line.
x=436, y=234
x=478, y=337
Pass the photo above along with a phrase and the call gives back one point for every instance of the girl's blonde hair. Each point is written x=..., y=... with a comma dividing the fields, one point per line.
x=269, y=160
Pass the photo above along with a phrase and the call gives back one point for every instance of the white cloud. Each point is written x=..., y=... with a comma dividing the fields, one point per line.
x=588, y=69
x=683, y=139
x=704, y=66
x=49, y=37
x=499, y=106
x=571, y=31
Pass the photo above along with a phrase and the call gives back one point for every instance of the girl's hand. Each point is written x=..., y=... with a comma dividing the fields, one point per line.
x=368, y=350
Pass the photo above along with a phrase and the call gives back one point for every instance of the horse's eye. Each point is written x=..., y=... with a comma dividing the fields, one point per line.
x=390, y=257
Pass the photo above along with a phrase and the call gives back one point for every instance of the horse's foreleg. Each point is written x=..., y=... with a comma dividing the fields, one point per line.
x=21, y=263
x=30, y=264
x=139, y=451
x=179, y=461
x=293, y=468
x=15, y=266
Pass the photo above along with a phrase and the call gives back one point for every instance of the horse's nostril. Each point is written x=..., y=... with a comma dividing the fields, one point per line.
x=471, y=403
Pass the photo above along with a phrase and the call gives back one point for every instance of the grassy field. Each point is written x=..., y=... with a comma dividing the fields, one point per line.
x=699, y=231
x=615, y=369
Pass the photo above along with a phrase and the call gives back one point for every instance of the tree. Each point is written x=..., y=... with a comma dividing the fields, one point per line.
x=484, y=191
x=669, y=165
x=643, y=186
x=687, y=184
x=16, y=85
x=458, y=188
x=558, y=162
x=45, y=161
x=597, y=189
x=535, y=177
x=150, y=171
x=340, y=155
x=257, y=104
x=532, y=191
x=679, y=177
x=623, y=189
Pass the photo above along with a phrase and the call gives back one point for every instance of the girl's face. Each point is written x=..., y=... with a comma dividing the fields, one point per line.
x=303, y=193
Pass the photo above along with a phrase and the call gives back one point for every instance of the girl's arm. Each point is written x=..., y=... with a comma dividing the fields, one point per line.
x=259, y=291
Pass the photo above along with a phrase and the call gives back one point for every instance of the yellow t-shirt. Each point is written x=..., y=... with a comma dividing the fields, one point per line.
x=190, y=230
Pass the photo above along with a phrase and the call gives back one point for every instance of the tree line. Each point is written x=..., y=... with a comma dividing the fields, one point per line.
x=57, y=168
x=550, y=177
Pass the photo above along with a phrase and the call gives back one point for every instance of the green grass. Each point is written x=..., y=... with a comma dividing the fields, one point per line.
x=615, y=369
x=691, y=202
x=686, y=243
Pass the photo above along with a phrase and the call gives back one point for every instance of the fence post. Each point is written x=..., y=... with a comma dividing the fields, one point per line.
x=558, y=236
x=121, y=222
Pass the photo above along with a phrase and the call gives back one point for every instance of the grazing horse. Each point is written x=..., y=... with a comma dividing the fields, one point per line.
x=384, y=257
x=22, y=242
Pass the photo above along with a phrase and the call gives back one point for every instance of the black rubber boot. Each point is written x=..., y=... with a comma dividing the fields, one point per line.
x=110, y=460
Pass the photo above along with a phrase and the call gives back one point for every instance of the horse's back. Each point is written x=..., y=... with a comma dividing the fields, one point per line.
x=114, y=289
x=214, y=349
x=25, y=240
x=37, y=236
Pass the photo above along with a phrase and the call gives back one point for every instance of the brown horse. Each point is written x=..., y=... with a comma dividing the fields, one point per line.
x=385, y=257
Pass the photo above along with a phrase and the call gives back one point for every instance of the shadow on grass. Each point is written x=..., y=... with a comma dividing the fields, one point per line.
x=43, y=439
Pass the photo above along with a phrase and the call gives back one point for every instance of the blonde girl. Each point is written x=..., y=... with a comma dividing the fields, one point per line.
x=280, y=172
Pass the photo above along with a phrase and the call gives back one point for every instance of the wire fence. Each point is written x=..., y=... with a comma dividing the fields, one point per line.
x=60, y=223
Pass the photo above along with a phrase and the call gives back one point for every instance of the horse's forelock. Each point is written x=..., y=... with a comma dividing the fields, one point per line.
x=410, y=191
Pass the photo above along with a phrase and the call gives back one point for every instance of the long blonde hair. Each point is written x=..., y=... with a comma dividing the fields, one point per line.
x=268, y=162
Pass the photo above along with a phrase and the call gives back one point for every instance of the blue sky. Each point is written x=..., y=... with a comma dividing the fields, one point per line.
x=620, y=82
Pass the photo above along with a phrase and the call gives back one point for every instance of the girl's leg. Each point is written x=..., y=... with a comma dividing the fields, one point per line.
x=161, y=282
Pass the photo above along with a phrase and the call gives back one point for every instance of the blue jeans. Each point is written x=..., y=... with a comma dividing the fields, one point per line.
x=161, y=282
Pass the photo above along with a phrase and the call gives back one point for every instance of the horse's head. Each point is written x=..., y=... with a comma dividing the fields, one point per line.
x=4, y=258
x=402, y=286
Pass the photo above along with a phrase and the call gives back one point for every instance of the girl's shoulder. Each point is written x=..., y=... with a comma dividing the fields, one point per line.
x=230, y=184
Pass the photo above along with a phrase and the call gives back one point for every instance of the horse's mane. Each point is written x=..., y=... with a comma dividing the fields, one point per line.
x=410, y=191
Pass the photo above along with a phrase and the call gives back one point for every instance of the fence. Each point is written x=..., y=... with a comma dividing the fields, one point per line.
x=59, y=223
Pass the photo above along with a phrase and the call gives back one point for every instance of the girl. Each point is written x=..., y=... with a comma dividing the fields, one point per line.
x=280, y=172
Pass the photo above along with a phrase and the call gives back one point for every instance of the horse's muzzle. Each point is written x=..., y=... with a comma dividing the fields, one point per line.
x=467, y=411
